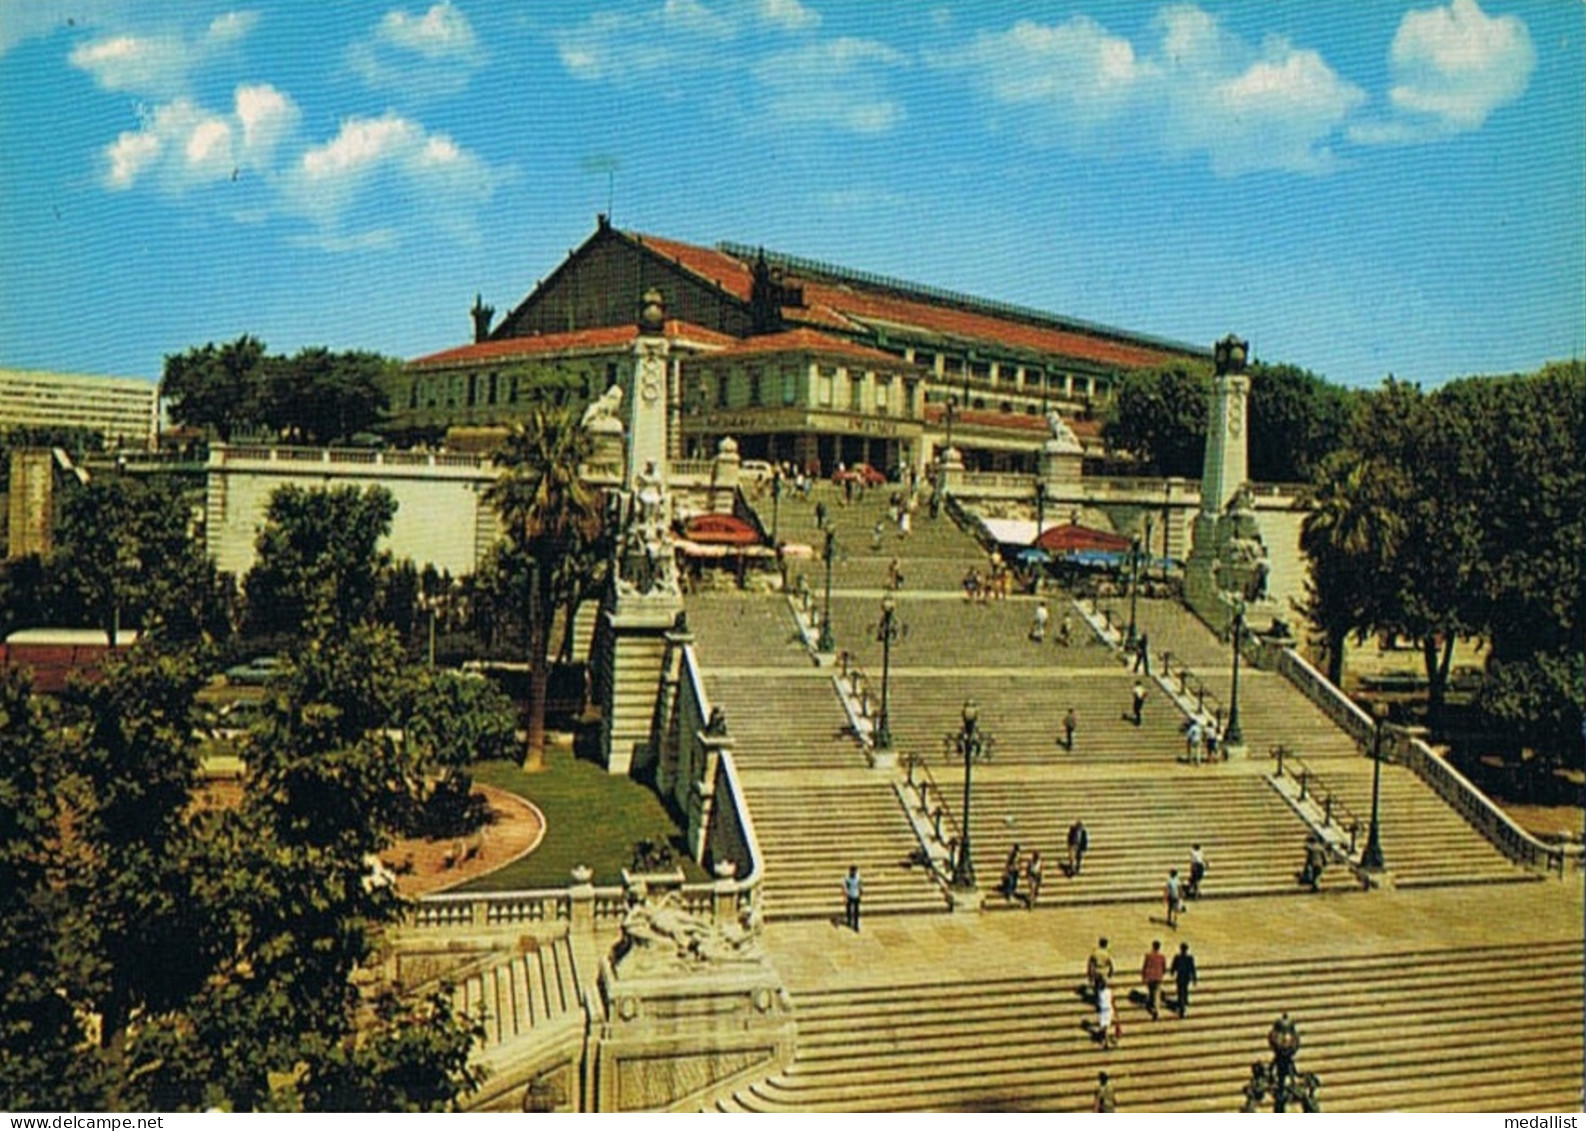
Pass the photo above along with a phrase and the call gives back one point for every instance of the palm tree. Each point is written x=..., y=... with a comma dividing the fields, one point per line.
x=1350, y=537
x=551, y=518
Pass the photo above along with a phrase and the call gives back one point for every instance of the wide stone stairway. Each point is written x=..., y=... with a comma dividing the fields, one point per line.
x=1459, y=1028
x=1462, y=991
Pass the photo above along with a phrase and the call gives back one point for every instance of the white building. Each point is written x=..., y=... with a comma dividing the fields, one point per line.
x=125, y=410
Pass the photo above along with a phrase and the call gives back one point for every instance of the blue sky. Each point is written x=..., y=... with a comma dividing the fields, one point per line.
x=1359, y=188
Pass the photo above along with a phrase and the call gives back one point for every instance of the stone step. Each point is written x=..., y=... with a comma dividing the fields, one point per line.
x=528, y=990
x=1378, y=1040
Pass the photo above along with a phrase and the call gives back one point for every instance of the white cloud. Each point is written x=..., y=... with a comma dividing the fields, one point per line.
x=182, y=145
x=387, y=168
x=679, y=37
x=158, y=65
x=789, y=14
x=1196, y=90
x=439, y=33
x=427, y=55
x=777, y=72
x=1452, y=67
x=838, y=83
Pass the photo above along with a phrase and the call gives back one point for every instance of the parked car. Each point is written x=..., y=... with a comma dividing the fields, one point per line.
x=860, y=473
x=755, y=469
x=255, y=672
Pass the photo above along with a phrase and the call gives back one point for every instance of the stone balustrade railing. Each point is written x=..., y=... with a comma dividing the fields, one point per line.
x=232, y=454
x=1449, y=784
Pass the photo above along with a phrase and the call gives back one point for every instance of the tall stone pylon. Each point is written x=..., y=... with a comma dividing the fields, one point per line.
x=644, y=599
x=1228, y=555
x=1227, y=465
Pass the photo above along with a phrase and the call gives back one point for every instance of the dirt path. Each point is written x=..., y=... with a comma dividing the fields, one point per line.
x=426, y=866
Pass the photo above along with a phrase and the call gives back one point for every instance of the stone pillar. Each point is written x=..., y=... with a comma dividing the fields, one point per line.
x=702, y=791
x=724, y=476
x=644, y=599
x=581, y=901
x=952, y=470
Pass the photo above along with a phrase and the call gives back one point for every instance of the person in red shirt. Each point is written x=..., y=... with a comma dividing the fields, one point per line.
x=1152, y=971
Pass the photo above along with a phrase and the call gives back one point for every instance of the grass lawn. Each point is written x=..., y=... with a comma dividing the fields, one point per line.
x=591, y=817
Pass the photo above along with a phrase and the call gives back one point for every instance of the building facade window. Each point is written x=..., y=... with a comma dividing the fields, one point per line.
x=825, y=379
x=790, y=386
x=856, y=391
x=756, y=392
x=723, y=390
x=883, y=395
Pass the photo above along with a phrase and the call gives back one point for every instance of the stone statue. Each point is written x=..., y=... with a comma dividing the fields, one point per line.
x=1058, y=427
x=658, y=934
x=604, y=408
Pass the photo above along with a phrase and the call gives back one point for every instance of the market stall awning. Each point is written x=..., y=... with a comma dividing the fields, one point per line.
x=1072, y=538
x=721, y=530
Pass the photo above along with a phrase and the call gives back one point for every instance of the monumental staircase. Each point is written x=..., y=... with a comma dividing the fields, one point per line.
x=1440, y=1028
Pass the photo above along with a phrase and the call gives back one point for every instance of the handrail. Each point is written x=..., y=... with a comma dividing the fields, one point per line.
x=1311, y=785
x=925, y=789
x=1448, y=783
x=1190, y=684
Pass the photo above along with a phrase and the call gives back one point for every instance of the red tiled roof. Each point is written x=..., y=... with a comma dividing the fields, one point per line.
x=709, y=264
x=990, y=418
x=804, y=340
x=847, y=306
x=593, y=340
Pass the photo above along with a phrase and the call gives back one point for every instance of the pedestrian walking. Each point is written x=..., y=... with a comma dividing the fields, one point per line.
x=820, y=514
x=876, y=534
x=1065, y=631
x=1106, y=1100
x=853, y=889
x=905, y=522
x=1010, y=874
x=1032, y=879
x=1108, y=1027
x=1099, y=966
x=1152, y=971
x=1184, y=976
x=1038, y=622
x=1070, y=722
x=1142, y=654
x=1173, y=892
x=1192, y=741
x=1138, y=692
x=895, y=574
x=1211, y=742
x=1197, y=872
x=1078, y=845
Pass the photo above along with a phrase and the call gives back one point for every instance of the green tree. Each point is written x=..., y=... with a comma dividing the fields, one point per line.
x=135, y=768
x=318, y=559
x=1350, y=537
x=44, y=1064
x=218, y=389
x=318, y=397
x=550, y=517
x=450, y=721
x=414, y=1057
x=124, y=556
x=1158, y=416
x=1296, y=420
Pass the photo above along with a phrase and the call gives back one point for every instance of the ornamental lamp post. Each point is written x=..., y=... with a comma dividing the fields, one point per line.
x=1040, y=506
x=1131, y=639
x=971, y=746
x=1229, y=355
x=1371, y=855
x=776, y=503
x=826, y=641
x=952, y=405
x=1235, y=736
x=886, y=633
